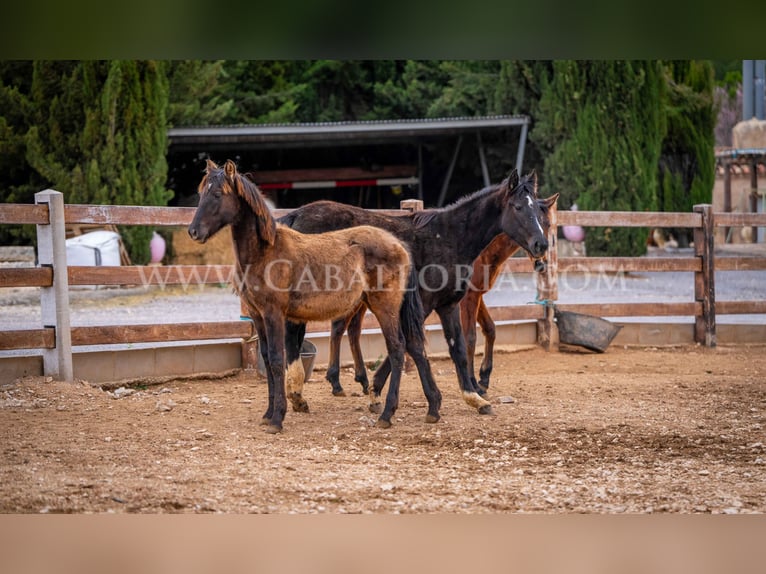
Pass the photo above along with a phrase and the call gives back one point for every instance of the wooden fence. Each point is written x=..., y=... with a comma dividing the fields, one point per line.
x=56, y=337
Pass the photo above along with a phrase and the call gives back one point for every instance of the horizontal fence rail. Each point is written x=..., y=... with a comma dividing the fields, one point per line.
x=49, y=212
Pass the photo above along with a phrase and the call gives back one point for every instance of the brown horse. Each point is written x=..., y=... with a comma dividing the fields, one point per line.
x=282, y=274
x=486, y=269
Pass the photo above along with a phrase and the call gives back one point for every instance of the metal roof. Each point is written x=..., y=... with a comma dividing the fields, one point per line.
x=312, y=134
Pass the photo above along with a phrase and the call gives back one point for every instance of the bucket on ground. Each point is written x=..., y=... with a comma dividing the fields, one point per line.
x=587, y=331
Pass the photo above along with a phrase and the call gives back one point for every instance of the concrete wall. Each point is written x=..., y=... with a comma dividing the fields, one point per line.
x=122, y=362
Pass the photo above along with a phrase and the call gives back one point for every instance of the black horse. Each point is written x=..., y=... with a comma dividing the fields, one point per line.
x=444, y=243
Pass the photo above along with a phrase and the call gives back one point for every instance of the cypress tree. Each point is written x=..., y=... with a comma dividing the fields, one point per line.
x=603, y=123
x=687, y=163
x=101, y=135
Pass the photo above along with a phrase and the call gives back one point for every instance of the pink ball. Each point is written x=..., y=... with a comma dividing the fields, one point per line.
x=157, y=247
x=574, y=233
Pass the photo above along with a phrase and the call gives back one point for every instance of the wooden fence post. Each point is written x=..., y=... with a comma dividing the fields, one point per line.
x=54, y=300
x=548, y=289
x=411, y=204
x=704, y=280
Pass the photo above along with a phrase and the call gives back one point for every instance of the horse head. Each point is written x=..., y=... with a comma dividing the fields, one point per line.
x=524, y=217
x=225, y=196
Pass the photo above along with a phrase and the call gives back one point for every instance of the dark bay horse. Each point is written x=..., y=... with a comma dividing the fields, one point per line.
x=486, y=269
x=444, y=243
x=282, y=275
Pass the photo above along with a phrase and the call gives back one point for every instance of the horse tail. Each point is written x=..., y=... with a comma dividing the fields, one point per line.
x=412, y=315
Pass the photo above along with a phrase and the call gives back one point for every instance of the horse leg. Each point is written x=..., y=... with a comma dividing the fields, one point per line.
x=354, y=329
x=450, y=319
x=263, y=349
x=468, y=310
x=294, y=333
x=433, y=395
x=488, y=329
x=333, y=369
x=395, y=346
x=378, y=382
x=275, y=336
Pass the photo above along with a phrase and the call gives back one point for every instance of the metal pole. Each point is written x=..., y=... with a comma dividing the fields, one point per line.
x=760, y=72
x=522, y=144
x=448, y=177
x=54, y=300
x=748, y=109
x=482, y=160
x=420, y=171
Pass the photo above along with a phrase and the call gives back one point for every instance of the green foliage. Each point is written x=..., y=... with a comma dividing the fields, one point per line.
x=98, y=135
x=198, y=93
x=603, y=125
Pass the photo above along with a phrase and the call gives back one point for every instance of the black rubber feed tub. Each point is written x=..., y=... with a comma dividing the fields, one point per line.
x=587, y=331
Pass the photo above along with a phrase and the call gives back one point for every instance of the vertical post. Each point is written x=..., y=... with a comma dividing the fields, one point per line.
x=754, y=197
x=448, y=176
x=704, y=280
x=54, y=300
x=522, y=145
x=548, y=289
x=748, y=89
x=482, y=160
x=726, y=195
x=420, y=171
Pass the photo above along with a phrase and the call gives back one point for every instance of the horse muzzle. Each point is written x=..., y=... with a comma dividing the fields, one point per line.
x=197, y=234
x=541, y=265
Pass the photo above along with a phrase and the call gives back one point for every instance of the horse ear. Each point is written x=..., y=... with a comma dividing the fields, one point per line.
x=230, y=169
x=510, y=183
x=211, y=165
x=513, y=179
x=550, y=201
x=533, y=178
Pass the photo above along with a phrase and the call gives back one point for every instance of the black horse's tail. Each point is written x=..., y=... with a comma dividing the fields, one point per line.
x=411, y=315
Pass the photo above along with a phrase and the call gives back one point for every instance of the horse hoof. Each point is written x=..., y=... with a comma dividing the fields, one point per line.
x=301, y=407
x=375, y=408
x=265, y=421
x=432, y=419
x=383, y=424
x=273, y=429
x=486, y=410
x=340, y=393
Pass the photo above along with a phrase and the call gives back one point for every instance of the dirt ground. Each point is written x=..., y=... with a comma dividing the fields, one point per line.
x=631, y=430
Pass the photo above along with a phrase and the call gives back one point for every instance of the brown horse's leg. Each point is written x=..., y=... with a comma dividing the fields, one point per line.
x=468, y=310
x=295, y=375
x=378, y=382
x=488, y=329
x=275, y=337
x=395, y=346
x=354, y=329
x=450, y=319
x=263, y=349
x=339, y=327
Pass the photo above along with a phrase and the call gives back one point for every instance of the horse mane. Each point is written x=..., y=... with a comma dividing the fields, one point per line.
x=512, y=184
x=247, y=190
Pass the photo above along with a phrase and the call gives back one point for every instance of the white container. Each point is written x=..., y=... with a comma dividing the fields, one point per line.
x=97, y=248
